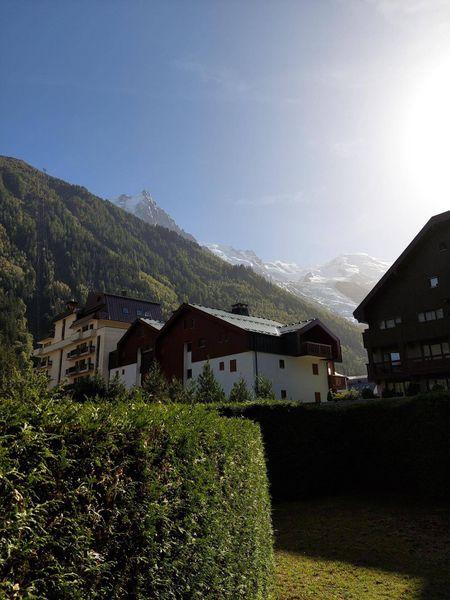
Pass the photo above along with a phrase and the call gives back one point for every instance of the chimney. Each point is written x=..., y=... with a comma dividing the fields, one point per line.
x=240, y=308
x=72, y=305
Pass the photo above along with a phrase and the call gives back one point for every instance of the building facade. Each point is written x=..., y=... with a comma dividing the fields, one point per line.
x=135, y=352
x=298, y=359
x=408, y=316
x=84, y=337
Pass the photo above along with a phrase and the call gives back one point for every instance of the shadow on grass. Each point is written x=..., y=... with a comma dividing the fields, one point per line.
x=391, y=534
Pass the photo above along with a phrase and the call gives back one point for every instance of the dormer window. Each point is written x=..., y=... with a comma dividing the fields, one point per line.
x=434, y=281
x=125, y=310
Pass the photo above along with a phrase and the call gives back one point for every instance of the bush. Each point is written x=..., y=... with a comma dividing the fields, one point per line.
x=128, y=500
x=393, y=446
x=351, y=394
x=367, y=393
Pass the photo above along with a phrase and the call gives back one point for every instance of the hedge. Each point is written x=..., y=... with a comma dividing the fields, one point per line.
x=131, y=501
x=381, y=445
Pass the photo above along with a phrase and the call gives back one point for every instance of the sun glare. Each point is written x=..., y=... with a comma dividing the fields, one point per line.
x=427, y=135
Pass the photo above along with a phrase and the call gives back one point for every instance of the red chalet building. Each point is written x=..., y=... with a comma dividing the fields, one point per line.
x=297, y=358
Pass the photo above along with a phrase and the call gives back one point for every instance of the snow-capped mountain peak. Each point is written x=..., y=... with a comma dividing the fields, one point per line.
x=142, y=205
x=339, y=284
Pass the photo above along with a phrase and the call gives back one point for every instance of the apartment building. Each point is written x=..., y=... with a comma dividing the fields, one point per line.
x=83, y=337
x=408, y=315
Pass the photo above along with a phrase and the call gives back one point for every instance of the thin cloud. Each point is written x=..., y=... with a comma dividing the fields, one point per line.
x=409, y=8
x=345, y=148
x=222, y=77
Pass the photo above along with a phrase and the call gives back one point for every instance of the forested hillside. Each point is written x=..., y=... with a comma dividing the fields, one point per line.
x=57, y=241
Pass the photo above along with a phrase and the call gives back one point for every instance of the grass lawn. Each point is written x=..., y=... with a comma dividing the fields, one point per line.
x=362, y=548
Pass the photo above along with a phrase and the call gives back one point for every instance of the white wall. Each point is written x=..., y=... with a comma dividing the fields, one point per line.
x=127, y=374
x=296, y=378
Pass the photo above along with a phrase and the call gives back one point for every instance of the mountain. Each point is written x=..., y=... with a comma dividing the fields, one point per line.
x=143, y=206
x=58, y=240
x=338, y=285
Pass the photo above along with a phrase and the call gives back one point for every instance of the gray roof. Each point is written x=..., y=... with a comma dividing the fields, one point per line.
x=153, y=323
x=253, y=324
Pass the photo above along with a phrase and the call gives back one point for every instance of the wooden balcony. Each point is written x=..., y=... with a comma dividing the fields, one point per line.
x=314, y=349
x=438, y=365
x=337, y=382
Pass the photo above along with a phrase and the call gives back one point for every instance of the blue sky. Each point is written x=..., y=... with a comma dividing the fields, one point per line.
x=291, y=128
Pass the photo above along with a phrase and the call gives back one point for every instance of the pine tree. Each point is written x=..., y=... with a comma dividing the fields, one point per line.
x=155, y=384
x=240, y=392
x=208, y=388
x=263, y=388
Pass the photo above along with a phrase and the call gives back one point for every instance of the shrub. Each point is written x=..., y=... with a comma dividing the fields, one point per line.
x=367, y=393
x=396, y=445
x=351, y=394
x=208, y=388
x=95, y=386
x=240, y=392
x=127, y=500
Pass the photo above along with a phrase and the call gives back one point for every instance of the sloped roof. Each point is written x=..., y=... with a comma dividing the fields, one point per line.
x=111, y=306
x=435, y=220
x=153, y=323
x=253, y=324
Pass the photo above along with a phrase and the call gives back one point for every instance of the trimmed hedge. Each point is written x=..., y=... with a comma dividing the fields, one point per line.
x=400, y=445
x=131, y=501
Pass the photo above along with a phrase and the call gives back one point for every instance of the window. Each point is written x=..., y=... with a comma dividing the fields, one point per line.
x=192, y=323
x=434, y=281
x=390, y=323
x=431, y=315
x=436, y=350
x=442, y=246
x=392, y=357
x=317, y=397
x=189, y=347
x=147, y=313
x=123, y=371
x=281, y=362
x=91, y=326
x=315, y=369
x=139, y=312
x=233, y=365
x=202, y=343
x=189, y=374
x=283, y=394
x=221, y=366
x=125, y=310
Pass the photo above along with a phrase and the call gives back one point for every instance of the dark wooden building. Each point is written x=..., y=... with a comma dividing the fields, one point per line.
x=408, y=315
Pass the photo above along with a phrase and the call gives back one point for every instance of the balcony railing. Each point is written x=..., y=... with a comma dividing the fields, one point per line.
x=81, y=368
x=410, y=367
x=337, y=382
x=314, y=349
x=84, y=351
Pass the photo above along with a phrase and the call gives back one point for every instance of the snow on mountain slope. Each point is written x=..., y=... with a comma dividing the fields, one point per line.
x=339, y=285
x=143, y=206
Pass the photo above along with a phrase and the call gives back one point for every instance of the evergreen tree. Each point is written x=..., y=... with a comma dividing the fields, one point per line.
x=263, y=388
x=182, y=394
x=208, y=388
x=240, y=392
x=155, y=384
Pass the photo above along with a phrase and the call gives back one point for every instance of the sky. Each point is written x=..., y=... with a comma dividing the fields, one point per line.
x=300, y=130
